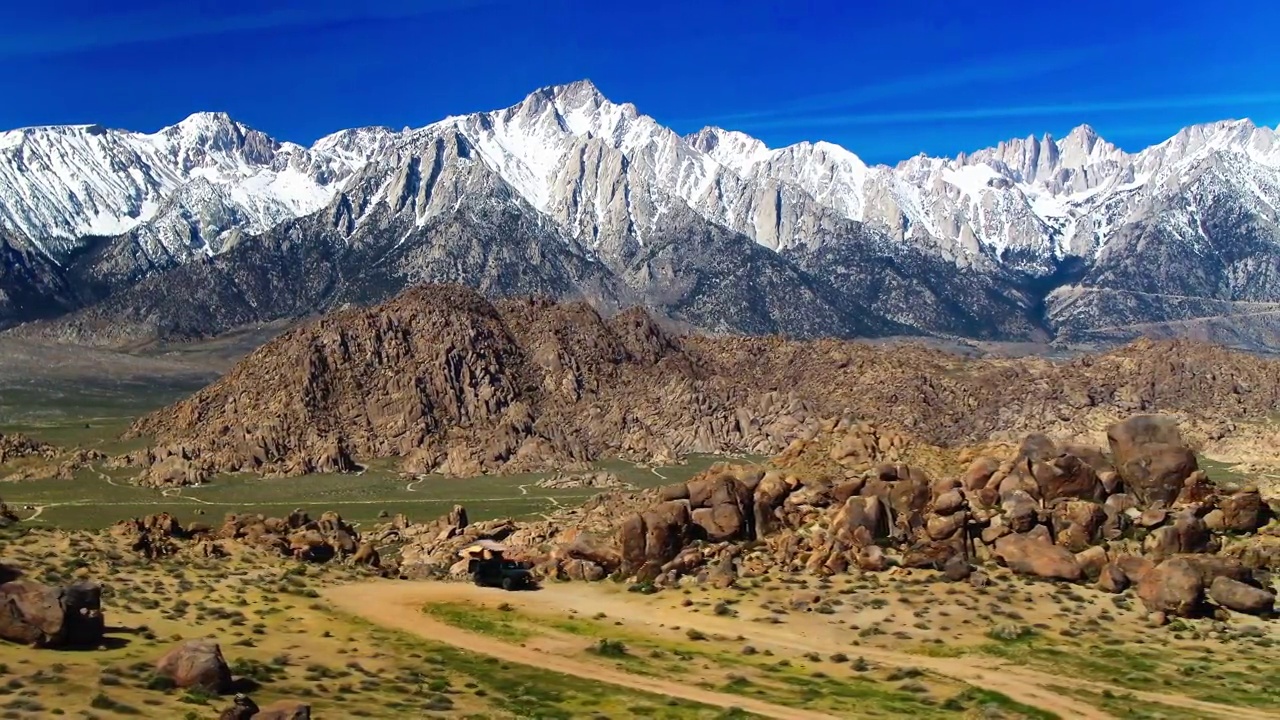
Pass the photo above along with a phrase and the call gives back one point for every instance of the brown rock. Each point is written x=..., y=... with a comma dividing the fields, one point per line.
x=861, y=521
x=1151, y=457
x=943, y=528
x=632, y=538
x=1187, y=534
x=1133, y=567
x=1066, y=476
x=1173, y=587
x=769, y=495
x=979, y=473
x=1020, y=512
x=40, y=615
x=948, y=503
x=1028, y=556
x=1211, y=567
x=1036, y=448
x=196, y=664
x=956, y=569
x=931, y=554
x=1112, y=579
x=1240, y=597
x=1077, y=524
x=582, y=570
x=594, y=548
x=367, y=555
x=1244, y=511
x=1092, y=560
x=872, y=559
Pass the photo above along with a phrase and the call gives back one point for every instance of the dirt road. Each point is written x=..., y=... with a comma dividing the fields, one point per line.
x=398, y=605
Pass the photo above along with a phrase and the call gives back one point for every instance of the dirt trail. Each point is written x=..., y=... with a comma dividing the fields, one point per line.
x=398, y=604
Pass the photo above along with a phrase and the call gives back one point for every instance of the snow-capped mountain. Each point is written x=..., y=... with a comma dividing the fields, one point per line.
x=61, y=184
x=1031, y=238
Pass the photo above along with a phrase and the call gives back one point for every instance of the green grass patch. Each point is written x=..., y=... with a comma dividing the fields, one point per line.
x=478, y=620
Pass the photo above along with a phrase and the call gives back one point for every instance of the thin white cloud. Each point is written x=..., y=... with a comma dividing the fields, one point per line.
x=982, y=71
x=74, y=33
x=1013, y=111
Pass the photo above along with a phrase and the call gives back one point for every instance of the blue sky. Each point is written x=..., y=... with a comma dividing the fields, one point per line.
x=886, y=80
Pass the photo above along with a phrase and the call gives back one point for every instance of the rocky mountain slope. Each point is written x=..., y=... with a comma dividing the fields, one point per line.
x=449, y=382
x=1030, y=239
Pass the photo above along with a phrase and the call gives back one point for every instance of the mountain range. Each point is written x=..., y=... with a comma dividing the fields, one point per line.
x=122, y=238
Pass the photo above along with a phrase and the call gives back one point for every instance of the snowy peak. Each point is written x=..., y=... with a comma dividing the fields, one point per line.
x=1260, y=144
x=735, y=150
x=608, y=174
x=59, y=184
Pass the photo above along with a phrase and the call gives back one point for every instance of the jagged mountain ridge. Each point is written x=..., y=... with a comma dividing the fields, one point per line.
x=997, y=225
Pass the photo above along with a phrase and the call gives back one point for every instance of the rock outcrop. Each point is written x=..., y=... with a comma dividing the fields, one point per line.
x=296, y=535
x=452, y=383
x=832, y=504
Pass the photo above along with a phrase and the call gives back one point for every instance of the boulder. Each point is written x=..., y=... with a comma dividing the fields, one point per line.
x=632, y=535
x=1212, y=567
x=1187, y=534
x=582, y=570
x=1112, y=579
x=768, y=496
x=196, y=664
x=1235, y=595
x=41, y=615
x=1028, y=556
x=861, y=521
x=948, y=503
x=979, y=473
x=956, y=569
x=1077, y=524
x=1174, y=587
x=1243, y=511
x=872, y=559
x=723, y=574
x=1066, y=476
x=593, y=548
x=1133, y=567
x=1151, y=457
x=1092, y=560
x=943, y=527
x=366, y=555
x=932, y=554
x=1021, y=513
x=654, y=538
x=1036, y=448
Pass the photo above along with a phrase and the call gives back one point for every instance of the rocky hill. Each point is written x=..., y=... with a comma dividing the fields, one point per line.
x=454, y=383
x=163, y=236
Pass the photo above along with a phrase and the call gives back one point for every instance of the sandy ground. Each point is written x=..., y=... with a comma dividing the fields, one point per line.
x=398, y=605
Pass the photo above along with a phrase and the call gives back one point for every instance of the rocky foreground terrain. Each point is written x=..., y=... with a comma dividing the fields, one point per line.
x=854, y=518
x=448, y=382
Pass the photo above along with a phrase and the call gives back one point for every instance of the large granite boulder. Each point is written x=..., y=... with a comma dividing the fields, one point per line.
x=1151, y=457
x=196, y=664
x=1030, y=556
x=41, y=615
